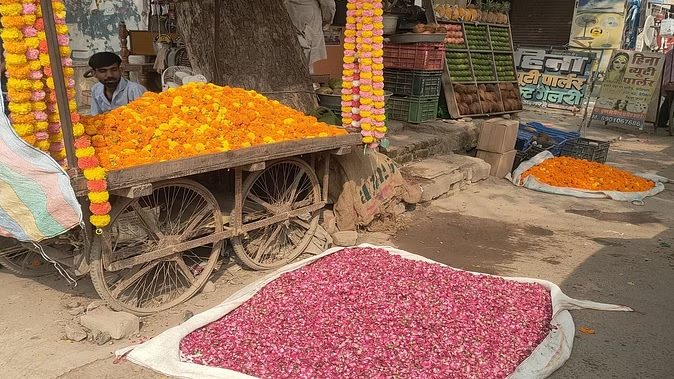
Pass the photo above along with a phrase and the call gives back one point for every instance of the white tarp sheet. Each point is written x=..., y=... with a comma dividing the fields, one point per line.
x=532, y=183
x=162, y=353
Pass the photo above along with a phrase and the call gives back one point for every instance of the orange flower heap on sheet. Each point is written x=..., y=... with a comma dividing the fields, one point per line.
x=577, y=173
x=195, y=119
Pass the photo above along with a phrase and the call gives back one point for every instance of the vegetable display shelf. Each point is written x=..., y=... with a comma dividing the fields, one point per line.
x=479, y=77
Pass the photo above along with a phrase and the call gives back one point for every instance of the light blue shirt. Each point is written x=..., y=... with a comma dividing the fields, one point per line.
x=125, y=93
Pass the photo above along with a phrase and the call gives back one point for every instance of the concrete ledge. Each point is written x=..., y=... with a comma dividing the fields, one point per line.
x=445, y=175
x=418, y=141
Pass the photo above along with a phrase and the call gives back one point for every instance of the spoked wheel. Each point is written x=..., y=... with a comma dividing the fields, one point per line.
x=284, y=188
x=21, y=260
x=670, y=127
x=141, y=267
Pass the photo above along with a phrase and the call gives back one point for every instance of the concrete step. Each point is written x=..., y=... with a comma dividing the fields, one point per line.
x=410, y=142
x=445, y=175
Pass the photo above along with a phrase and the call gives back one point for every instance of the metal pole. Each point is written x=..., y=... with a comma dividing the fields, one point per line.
x=59, y=82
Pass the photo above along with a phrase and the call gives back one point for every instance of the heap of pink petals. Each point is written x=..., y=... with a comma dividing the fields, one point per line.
x=365, y=313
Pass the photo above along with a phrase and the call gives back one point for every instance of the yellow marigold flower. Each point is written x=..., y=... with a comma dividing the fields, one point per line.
x=61, y=29
x=85, y=152
x=42, y=145
x=97, y=173
x=41, y=126
x=23, y=129
x=32, y=42
x=56, y=137
x=98, y=197
x=99, y=221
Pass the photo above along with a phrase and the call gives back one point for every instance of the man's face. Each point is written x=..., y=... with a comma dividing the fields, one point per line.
x=109, y=76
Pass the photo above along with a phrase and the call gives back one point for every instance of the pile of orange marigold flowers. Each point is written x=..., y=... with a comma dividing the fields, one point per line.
x=577, y=173
x=195, y=119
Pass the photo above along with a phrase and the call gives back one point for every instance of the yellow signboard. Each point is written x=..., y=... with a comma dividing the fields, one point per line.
x=629, y=84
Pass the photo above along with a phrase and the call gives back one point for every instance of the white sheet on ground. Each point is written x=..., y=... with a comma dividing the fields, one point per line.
x=162, y=353
x=532, y=183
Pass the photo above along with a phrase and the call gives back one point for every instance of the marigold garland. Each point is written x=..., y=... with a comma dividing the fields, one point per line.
x=17, y=17
x=577, y=173
x=363, y=103
x=28, y=68
x=193, y=119
x=95, y=175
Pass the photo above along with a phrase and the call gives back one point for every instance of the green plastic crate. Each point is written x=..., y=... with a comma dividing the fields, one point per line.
x=414, y=109
x=413, y=83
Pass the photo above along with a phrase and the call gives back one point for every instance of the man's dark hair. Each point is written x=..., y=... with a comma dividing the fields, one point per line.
x=104, y=59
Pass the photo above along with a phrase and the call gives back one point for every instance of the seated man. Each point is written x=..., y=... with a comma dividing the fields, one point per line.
x=112, y=91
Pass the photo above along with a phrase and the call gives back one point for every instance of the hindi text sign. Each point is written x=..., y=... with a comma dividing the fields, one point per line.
x=628, y=87
x=553, y=79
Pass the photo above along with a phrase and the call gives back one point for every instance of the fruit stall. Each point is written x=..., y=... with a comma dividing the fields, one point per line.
x=479, y=76
x=166, y=182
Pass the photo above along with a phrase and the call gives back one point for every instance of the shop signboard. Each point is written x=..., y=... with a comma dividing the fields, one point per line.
x=629, y=84
x=601, y=6
x=553, y=79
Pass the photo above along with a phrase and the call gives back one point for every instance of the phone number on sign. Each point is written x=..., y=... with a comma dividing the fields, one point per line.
x=617, y=120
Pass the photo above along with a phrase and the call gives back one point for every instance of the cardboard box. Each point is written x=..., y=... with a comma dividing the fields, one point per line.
x=498, y=135
x=501, y=163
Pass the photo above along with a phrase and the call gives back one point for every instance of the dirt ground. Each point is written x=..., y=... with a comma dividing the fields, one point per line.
x=600, y=250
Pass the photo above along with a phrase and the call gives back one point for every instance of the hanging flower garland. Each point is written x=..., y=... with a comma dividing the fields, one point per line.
x=96, y=184
x=363, y=104
x=56, y=145
x=23, y=85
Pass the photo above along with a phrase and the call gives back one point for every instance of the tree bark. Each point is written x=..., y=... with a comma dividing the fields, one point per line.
x=250, y=44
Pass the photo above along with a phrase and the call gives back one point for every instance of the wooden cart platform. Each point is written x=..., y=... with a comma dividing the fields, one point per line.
x=177, y=168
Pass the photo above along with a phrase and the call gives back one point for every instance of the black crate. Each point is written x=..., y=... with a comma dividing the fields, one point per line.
x=531, y=152
x=588, y=149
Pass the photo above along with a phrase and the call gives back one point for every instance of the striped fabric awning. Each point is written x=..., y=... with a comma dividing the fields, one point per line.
x=37, y=201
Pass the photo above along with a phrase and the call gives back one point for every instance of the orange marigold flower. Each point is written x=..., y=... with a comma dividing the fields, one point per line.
x=577, y=173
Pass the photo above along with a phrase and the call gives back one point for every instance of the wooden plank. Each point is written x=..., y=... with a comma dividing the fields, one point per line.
x=344, y=150
x=178, y=168
x=133, y=192
x=259, y=166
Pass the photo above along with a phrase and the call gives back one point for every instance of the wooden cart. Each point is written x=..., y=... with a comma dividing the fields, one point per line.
x=169, y=220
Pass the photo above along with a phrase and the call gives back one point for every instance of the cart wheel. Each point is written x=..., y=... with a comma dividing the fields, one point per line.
x=282, y=187
x=22, y=261
x=671, y=118
x=123, y=270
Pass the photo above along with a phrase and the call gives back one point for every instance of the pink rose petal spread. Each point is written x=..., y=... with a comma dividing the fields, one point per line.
x=366, y=313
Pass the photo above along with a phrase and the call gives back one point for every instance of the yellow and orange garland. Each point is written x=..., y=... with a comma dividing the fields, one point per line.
x=32, y=99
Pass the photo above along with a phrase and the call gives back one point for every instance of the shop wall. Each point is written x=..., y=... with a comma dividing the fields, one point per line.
x=94, y=24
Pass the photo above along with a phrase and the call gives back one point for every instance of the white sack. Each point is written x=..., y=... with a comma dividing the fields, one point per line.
x=162, y=353
x=532, y=183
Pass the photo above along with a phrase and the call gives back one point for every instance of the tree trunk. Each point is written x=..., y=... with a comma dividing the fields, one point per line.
x=250, y=44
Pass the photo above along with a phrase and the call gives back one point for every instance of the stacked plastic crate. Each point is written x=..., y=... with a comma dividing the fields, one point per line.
x=413, y=72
